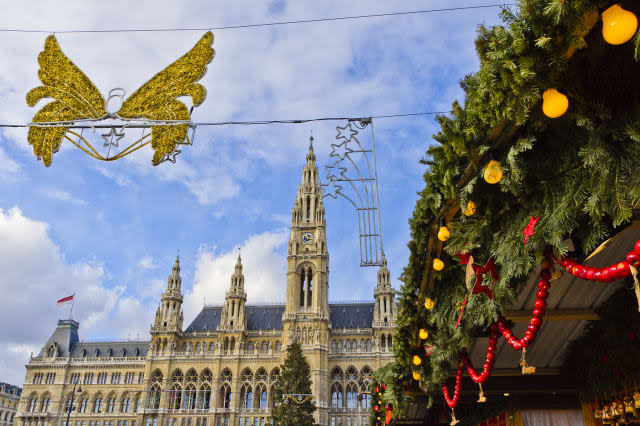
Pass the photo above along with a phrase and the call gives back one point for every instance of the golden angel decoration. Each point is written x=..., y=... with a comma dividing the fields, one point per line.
x=79, y=105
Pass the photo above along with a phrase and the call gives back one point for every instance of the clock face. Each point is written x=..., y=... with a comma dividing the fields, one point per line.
x=307, y=237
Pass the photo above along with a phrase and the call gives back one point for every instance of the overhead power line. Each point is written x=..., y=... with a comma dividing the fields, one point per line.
x=243, y=123
x=265, y=24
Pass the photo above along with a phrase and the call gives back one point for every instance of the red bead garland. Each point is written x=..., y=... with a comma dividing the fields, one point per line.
x=537, y=314
x=607, y=274
x=456, y=390
x=488, y=364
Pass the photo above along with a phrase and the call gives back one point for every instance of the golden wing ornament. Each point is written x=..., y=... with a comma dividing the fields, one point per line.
x=75, y=97
x=157, y=98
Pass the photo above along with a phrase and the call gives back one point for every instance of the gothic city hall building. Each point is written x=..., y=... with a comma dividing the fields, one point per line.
x=220, y=370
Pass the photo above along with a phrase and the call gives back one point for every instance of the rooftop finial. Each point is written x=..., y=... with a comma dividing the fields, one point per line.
x=178, y=256
x=238, y=253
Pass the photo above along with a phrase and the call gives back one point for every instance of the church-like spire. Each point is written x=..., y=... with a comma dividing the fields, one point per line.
x=233, y=311
x=169, y=312
x=384, y=311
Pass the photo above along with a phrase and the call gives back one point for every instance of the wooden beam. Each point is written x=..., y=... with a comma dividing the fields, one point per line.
x=555, y=315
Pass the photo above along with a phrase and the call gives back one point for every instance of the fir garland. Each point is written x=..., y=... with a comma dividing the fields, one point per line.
x=578, y=173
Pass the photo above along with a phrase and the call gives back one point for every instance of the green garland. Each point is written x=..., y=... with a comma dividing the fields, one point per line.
x=578, y=173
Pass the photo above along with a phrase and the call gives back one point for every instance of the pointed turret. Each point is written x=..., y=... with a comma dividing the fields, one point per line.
x=232, y=316
x=384, y=312
x=169, y=312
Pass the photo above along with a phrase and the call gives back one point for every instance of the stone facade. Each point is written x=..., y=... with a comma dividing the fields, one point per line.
x=9, y=397
x=220, y=369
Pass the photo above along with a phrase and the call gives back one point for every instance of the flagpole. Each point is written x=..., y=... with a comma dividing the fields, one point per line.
x=73, y=299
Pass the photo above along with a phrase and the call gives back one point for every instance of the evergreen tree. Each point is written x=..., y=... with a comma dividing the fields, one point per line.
x=295, y=378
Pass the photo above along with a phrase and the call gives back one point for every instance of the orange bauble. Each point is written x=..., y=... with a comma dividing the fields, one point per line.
x=438, y=264
x=470, y=209
x=416, y=375
x=493, y=172
x=618, y=25
x=416, y=360
x=554, y=103
x=443, y=233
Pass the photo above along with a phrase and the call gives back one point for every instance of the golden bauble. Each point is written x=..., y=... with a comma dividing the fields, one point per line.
x=470, y=209
x=443, y=233
x=554, y=103
x=618, y=25
x=416, y=360
x=493, y=172
x=429, y=304
x=416, y=375
x=423, y=333
x=438, y=264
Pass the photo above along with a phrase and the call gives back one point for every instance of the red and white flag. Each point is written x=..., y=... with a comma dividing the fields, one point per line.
x=65, y=300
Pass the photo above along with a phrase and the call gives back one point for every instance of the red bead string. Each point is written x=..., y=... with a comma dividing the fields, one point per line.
x=607, y=274
x=488, y=364
x=456, y=390
x=536, y=316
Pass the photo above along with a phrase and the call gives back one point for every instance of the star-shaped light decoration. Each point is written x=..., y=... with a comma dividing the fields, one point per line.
x=345, y=132
x=171, y=156
x=109, y=137
x=529, y=230
x=480, y=272
x=332, y=189
x=340, y=150
x=335, y=171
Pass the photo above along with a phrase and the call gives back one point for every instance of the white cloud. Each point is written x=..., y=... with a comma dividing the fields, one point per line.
x=35, y=275
x=264, y=273
x=119, y=178
x=146, y=262
x=9, y=168
x=61, y=195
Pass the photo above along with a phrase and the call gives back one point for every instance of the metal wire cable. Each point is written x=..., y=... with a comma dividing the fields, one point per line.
x=247, y=123
x=266, y=24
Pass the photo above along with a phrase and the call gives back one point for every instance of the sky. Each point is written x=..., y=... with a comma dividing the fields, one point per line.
x=110, y=231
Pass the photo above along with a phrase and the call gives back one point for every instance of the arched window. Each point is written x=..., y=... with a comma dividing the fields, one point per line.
x=46, y=401
x=211, y=347
x=225, y=396
x=352, y=395
x=336, y=396
x=97, y=404
x=310, y=283
x=263, y=347
x=177, y=377
x=246, y=396
x=278, y=345
x=261, y=392
x=233, y=344
x=175, y=396
x=272, y=395
x=33, y=402
x=111, y=404
x=339, y=345
x=368, y=345
x=361, y=345
x=348, y=346
x=84, y=405
x=275, y=373
x=184, y=347
x=247, y=375
x=198, y=347
x=206, y=376
x=352, y=374
x=191, y=376
x=336, y=374
x=302, y=276
x=226, y=344
x=261, y=375
x=333, y=346
x=189, y=399
x=124, y=407
x=366, y=398
x=204, y=397
x=250, y=346
x=389, y=342
x=154, y=400
x=226, y=376
x=383, y=342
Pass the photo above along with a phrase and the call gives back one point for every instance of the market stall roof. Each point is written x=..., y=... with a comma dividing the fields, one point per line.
x=571, y=303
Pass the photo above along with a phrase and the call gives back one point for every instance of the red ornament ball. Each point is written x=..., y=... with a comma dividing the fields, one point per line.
x=544, y=285
x=535, y=321
x=633, y=258
x=540, y=304
x=537, y=312
x=636, y=247
x=542, y=294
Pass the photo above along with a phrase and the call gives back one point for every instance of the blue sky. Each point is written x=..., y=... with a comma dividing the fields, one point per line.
x=110, y=231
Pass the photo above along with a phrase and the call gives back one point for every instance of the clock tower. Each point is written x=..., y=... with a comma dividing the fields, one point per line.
x=308, y=260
